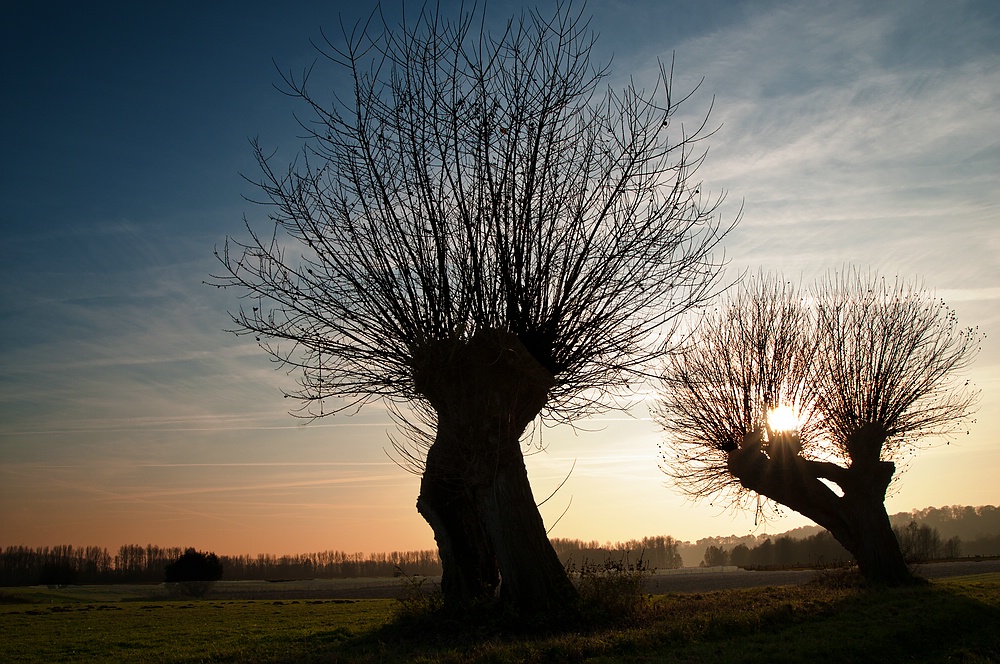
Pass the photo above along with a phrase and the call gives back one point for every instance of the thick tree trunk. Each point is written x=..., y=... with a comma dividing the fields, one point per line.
x=475, y=492
x=868, y=529
x=533, y=580
x=857, y=519
x=469, y=567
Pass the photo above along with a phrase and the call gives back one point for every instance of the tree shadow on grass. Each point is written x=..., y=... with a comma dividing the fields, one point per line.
x=931, y=623
x=922, y=623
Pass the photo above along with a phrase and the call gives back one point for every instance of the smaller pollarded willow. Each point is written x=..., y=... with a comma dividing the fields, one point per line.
x=871, y=367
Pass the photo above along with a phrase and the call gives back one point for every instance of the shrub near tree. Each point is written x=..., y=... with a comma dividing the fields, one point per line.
x=194, y=573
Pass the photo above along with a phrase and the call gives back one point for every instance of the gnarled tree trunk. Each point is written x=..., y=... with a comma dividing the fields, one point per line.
x=475, y=492
x=469, y=566
x=857, y=519
x=532, y=577
x=867, y=526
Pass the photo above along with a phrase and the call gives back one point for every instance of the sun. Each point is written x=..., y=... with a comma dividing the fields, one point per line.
x=782, y=418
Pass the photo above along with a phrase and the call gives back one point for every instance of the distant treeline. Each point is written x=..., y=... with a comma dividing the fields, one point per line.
x=330, y=565
x=919, y=543
x=924, y=534
x=660, y=552
x=66, y=565
x=816, y=550
x=968, y=523
x=918, y=532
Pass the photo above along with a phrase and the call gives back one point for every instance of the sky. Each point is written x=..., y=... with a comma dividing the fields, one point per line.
x=850, y=132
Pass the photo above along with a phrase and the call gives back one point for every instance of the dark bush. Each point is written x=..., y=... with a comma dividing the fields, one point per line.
x=194, y=573
x=419, y=599
x=58, y=574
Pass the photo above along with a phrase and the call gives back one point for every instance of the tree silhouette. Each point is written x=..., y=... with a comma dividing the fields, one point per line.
x=870, y=367
x=478, y=234
x=918, y=543
x=194, y=572
x=715, y=556
x=740, y=555
x=59, y=574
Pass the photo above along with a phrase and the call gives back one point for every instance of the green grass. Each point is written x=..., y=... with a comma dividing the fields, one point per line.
x=182, y=631
x=950, y=620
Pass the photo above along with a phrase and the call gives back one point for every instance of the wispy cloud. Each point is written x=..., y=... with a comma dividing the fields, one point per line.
x=853, y=133
x=155, y=426
x=969, y=294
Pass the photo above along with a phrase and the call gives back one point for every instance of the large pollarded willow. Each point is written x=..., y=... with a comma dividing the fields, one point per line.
x=870, y=366
x=478, y=227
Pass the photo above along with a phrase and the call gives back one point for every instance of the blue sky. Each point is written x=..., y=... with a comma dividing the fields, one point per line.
x=851, y=132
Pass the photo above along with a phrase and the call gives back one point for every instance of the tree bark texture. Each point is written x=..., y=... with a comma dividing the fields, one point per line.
x=468, y=562
x=857, y=519
x=475, y=492
x=533, y=578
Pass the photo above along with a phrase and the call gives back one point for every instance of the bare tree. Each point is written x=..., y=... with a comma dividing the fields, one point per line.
x=869, y=367
x=477, y=231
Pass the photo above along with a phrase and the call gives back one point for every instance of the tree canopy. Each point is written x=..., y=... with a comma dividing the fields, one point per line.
x=471, y=182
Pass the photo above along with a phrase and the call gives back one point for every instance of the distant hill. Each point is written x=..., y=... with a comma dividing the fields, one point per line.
x=967, y=523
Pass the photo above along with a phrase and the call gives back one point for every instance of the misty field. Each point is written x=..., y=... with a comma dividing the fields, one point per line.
x=954, y=619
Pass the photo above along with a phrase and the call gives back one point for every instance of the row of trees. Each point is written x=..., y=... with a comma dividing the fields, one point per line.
x=331, y=565
x=967, y=522
x=483, y=236
x=66, y=565
x=819, y=549
x=661, y=552
x=978, y=530
x=918, y=543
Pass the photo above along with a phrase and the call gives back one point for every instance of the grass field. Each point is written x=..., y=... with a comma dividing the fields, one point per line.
x=950, y=620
